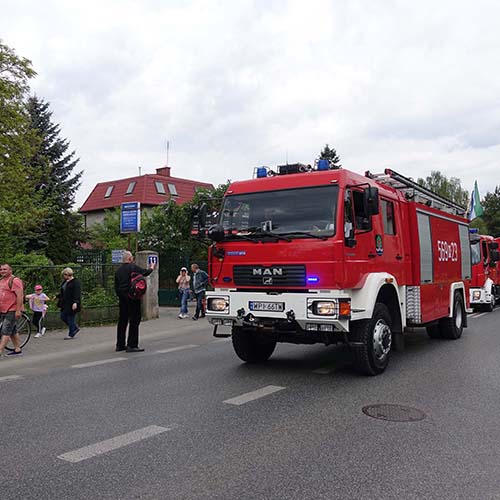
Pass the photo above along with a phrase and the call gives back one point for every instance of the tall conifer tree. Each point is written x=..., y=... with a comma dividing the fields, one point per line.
x=54, y=166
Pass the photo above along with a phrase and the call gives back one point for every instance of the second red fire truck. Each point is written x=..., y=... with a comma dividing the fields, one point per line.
x=485, y=285
x=310, y=255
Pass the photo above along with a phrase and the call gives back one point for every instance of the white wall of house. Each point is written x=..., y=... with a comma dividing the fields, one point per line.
x=97, y=217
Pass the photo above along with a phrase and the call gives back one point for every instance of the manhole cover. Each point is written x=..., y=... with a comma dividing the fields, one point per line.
x=394, y=413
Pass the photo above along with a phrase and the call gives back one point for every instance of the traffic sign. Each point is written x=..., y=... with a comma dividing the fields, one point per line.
x=153, y=259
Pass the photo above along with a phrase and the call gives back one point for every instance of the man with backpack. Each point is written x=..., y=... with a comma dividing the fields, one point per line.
x=130, y=286
x=11, y=307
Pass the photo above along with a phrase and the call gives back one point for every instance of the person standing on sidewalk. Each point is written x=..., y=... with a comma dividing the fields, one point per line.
x=184, y=289
x=129, y=309
x=200, y=280
x=11, y=306
x=70, y=301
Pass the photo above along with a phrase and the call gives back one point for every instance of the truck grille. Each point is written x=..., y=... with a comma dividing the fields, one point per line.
x=270, y=276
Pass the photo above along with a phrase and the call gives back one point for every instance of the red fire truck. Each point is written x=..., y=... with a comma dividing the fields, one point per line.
x=485, y=285
x=311, y=255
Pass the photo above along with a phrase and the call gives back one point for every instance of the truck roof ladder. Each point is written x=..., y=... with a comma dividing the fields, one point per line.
x=414, y=191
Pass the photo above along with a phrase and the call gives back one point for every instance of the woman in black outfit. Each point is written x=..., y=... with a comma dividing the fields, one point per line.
x=70, y=301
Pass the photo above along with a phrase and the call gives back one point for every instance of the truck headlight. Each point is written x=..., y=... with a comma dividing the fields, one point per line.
x=218, y=304
x=476, y=295
x=325, y=308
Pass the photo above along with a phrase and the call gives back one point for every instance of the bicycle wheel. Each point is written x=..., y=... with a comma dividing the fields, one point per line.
x=23, y=328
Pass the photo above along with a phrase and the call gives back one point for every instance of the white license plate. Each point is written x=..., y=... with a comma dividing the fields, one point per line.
x=267, y=306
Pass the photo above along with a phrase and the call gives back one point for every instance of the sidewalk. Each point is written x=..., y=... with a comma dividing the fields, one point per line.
x=102, y=339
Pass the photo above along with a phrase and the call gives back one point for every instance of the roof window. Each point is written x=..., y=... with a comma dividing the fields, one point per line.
x=160, y=188
x=108, y=191
x=172, y=189
x=131, y=187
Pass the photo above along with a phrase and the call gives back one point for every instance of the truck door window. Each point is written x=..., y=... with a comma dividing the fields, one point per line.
x=361, y=219
x=485, y=252
x=388, y=216
x=475, y=252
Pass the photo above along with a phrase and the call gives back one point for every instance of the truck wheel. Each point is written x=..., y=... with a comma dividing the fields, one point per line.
x=452, y=328
x=433, y=331
x=251, y=347
x=374, y=340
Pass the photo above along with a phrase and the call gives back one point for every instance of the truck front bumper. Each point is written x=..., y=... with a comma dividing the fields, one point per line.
x=327, y=312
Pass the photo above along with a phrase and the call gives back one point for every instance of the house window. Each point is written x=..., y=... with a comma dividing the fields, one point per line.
x=108, y=191
x=131, y=187
x=160, y=188
x=172, y=189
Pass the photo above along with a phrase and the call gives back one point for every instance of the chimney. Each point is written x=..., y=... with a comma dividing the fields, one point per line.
x=165, y=171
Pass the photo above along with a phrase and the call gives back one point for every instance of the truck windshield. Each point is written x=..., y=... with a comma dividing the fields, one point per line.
x=308, y=211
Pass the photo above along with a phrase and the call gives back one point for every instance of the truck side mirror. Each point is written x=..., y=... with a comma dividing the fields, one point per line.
x=370, y=200
x=202, y=216
x=216, y=232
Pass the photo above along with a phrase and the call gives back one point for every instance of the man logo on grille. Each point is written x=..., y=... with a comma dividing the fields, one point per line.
x=267, y=271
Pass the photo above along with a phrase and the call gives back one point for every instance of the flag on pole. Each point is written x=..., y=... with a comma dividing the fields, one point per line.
x=475, y=209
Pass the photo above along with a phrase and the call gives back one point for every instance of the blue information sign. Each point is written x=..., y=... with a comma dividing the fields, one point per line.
x=130, y=220
x=152, y=259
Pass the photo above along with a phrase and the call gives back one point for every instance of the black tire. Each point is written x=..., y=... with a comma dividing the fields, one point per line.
x=23, y=328
x=374, y=341
x=251, y=347
x=452, y=328
x=433, y=331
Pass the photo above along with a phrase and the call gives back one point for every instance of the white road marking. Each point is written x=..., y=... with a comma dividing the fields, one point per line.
x=324, y=371
x=479, y=315
x=97, y=363
x=178, y=348
x=10, y=377
x=112, y=444
x=473, y=315
x=221, y=340
x=251, y=396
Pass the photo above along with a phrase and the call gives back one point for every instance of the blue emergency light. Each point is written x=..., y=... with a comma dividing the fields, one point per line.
x=261, y=172
x=323, y=165
x=312, y=279
x=473, y=230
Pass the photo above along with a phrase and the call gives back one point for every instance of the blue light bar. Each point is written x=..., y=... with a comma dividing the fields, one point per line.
x=312, y=279
x=323, y=165
x=261, y=172
x=473, y=230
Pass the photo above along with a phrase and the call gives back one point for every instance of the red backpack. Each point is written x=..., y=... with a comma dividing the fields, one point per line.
x=138, y=286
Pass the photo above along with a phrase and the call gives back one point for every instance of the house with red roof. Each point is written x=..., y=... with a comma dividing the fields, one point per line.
x=149, y=189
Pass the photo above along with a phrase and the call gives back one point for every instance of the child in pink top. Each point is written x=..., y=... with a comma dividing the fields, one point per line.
x=37, y=304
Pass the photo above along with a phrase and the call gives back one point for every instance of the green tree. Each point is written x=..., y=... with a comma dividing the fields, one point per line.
x=448, y=188
x=53, y=166
x=331, y=155
x=106, y=234
x=491, y=214
x=21, y=209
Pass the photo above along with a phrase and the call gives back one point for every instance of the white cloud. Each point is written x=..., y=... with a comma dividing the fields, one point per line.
x=233, y=85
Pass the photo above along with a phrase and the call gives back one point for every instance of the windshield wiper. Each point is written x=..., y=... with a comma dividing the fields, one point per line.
x=304, y=233
x=269, y=234
x=242, y=236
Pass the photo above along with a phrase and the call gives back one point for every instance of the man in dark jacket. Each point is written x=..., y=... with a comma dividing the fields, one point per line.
x=130, y=309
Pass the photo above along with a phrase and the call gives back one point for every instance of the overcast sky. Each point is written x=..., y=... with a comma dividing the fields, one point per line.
x=234, y=84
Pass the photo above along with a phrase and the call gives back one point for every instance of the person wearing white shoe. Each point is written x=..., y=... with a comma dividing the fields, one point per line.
x=183, y=281
x=37, y=305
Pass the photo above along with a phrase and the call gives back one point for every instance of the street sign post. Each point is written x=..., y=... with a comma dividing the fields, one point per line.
x=130, y=220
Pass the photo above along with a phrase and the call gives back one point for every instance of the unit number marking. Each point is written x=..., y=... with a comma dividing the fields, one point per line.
x=447, y=251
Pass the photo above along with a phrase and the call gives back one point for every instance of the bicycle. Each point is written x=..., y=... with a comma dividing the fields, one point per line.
x=23, y=328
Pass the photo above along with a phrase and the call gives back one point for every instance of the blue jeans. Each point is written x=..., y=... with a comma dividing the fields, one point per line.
x=200, y=311
x=69, y=319
x=184, y=300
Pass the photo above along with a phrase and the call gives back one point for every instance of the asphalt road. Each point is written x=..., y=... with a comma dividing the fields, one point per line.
x=187, y=420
